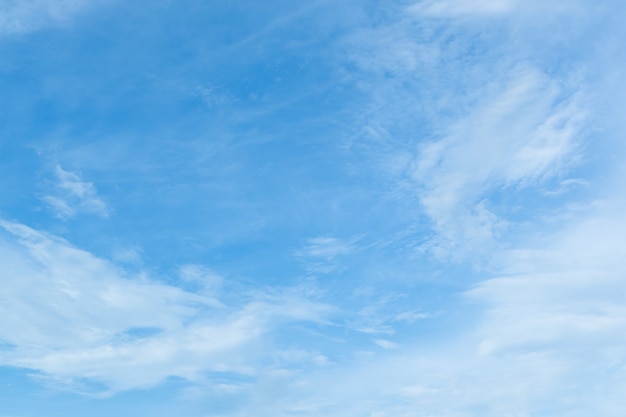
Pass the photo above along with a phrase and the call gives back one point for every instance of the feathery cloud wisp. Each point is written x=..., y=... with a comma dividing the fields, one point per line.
x=70, y=195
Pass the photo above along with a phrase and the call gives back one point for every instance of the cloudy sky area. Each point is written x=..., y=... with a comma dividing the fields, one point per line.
x=344, y=208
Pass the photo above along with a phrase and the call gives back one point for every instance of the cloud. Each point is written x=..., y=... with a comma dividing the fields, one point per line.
x=573, y=287
x=24, y=16
x=321, y=254
x=326, y=248
x=77, y=319
x=473, y=9
x=449, y=8
x=555, y=321
x=70, y=195
x=540, y=334
x=385, y=344
x=543, y=333
x=526, y=132
x=458, y=114
x=550, y=341
x=201, y=276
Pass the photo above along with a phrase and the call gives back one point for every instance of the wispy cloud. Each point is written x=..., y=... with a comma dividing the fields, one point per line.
x=320, y=254
x=524, y=134
x=70, y=195
x=515, y=130
x=272, y=263
x=24, y=16
x=385, y=344
x=76, y=318
x=549, y=340
x=326, y=248
x=452, y=8
x=201, y=277
x=566, y=292
x=473, y=9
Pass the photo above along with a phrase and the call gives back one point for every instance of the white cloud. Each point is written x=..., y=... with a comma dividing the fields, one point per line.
x=24, y=16
x=385, y=344
x=546, y=335
x=128, y=255
x=494, y=8
x=548, y=339
x=458, y=113
x=569, y=292
x=449, y=8
x=71, y=195
x=322, y=254
x=556, y=321
x=73, y=317
x=572, y=373
x=59, y=206
x=413, y=315
x=525, y=133
x=325, y=247
x=288, y=357
x=213, y=97
x=200, y=275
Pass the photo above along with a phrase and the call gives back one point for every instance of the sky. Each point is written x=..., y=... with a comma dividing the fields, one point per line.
x=348, y=208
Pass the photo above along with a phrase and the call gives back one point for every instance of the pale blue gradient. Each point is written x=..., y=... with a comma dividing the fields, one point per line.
x=326, y=208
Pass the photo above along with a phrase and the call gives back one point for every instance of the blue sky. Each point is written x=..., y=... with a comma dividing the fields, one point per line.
x=326, y=208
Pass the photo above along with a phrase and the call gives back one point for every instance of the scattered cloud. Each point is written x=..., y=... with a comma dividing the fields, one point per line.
x=325, y=248
x=129, y=255
x=201, y=276
x=385, y=344
x=452, y=8
x=321, y=254
x=548, y=338
x=475, y=9
x=570, y=292
x=24, y=16
x=70, y=195
x=525, y=133
x=213, y=97
x=473, y=125
x=75, y=318
x=381, y=314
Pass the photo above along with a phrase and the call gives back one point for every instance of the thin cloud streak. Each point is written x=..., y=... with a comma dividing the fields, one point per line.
x=520, y=137
x=71, y=196
x=25, y=16
x=73, y=317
